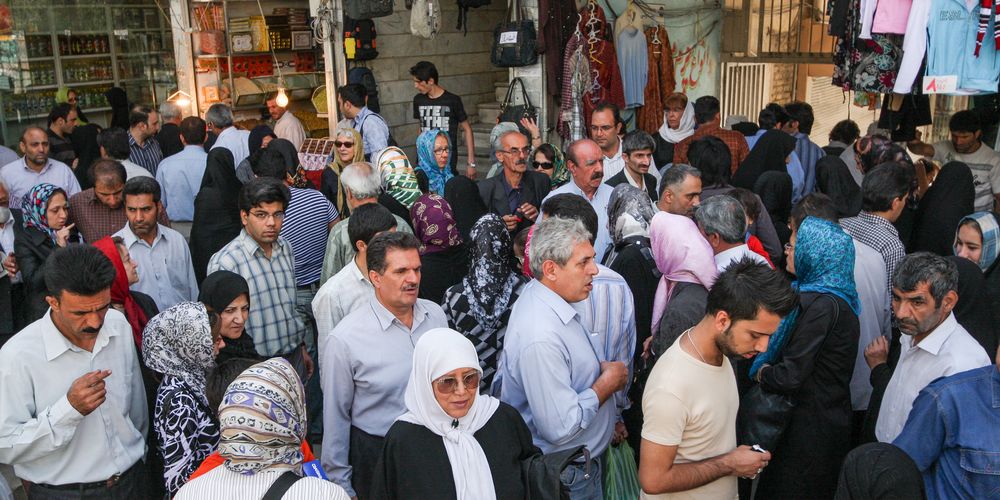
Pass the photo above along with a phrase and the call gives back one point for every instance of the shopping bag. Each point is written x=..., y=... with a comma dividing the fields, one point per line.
x=621, y=476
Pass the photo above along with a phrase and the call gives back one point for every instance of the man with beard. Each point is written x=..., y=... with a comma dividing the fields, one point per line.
x=680, y=190
x=933, y=344
x=585, y=162
x=690, y=402
x=36, y=167
x=165, y=270
x=516, y=193
x=637, y=151
x=966, y=146
x=366, y=362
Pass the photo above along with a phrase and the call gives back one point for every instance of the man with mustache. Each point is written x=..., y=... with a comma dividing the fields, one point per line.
x=606, y=128
x=36, y=167
x=690, y=403
x=637, y=151
x=166, y=272
x=933, y=344
x=73, y=414
x=585, y=162
x=366, y=362
x=516, y=194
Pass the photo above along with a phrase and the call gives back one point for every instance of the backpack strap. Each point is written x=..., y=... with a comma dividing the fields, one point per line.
x=281, y=486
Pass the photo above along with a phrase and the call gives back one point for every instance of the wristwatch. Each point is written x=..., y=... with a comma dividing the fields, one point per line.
x=471, y=164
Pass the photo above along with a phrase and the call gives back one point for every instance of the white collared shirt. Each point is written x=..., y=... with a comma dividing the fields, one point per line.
x=616, y=163
x=133, y=170
x=726, y=257
x=289, y=127
x=20, y=179
x=236, y=141
x=948, y=350
x=340, y=295
x=166, y=272
x=41, y=434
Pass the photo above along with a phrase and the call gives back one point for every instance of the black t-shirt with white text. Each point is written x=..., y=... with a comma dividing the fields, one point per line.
x=445, y=112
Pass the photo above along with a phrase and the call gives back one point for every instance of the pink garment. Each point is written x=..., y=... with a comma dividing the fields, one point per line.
x=891, y=16
x=526, y=265
x=681, y=254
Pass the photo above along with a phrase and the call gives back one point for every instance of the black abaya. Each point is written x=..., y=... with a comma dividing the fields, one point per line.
x=216, y=212
x=835, y=180
x=775, y=191
x=950, y=197
x=769, y=154
x=974, y=310
x=463, y=195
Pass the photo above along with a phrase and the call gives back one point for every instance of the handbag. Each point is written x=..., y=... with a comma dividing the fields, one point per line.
x=510, y=112
x=763, y=417
x=514, y=42
x=541, y=473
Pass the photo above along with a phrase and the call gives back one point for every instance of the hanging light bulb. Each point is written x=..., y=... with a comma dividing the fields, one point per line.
x=281, y=99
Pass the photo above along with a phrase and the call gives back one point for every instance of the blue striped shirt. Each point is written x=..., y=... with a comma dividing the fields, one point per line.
x=305, y=228
x=809, y=153
x=147, y=156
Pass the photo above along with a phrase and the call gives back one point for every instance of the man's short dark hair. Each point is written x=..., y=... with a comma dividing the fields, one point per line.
x=143, y=185
x=79, y=269
x=424, y=71
x=750, y=202
x=816, y=205
x=380, y=245
x=771, y=116
x=115, y=142
x=713, y=159
x=106, y=168
x=613, y=108
x=139, y=114
x=192, y=129
x=260, y=191
x=575, y=207
x=940, y=274
x=354, y=93
x=705, y=109
x=746, y=287
x=637, y=140
x=366, y=221
x=676, y=175
x=884, y=184
x=801, y=112
x=965, y=121
x=60, y=110
x=845, y=131
x=269, y=163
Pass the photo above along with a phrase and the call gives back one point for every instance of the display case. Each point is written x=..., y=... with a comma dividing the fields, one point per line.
x=88, y=46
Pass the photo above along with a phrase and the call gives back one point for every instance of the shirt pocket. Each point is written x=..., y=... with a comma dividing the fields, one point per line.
x=981, y=472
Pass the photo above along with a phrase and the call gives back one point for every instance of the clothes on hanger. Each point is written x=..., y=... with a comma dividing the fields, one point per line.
x=661, y=81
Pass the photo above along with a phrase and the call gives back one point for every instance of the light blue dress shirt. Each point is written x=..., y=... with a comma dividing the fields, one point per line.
x=165, y=270
x=180, y=176
x=374, y=131
x=20, y=179
x=600, y=203
x=794, y=168
x=547, y=368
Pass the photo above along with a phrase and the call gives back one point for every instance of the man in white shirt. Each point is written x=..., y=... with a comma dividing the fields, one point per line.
x=606, y=130
x=73, y=416
x=585, y=163
x=36, y=167
x=723, y=222
x=166, y=272
x=286, y=125
x=220, y=121
x=933, y=345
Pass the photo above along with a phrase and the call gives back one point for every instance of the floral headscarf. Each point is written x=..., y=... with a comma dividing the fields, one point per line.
x=263, y=419
x=35, y=204
x=434, y=224
x=178, y=342
x=560, y=174
x=492, y=276
x=398, y=179
x=427, y=162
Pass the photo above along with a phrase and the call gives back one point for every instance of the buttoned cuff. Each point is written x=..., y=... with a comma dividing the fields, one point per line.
x=62, y=414
x=589, y=404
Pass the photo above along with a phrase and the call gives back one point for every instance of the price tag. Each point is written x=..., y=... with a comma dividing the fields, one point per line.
x=942, y=84
x=121, y=33
x=508, y=37
x=67, y=32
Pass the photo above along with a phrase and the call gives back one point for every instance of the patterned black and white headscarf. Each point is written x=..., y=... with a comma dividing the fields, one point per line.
x=629, y=214
x=492, y=274
x=178, y=342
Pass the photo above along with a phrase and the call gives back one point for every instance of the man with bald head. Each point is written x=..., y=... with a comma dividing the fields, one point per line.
x=516, y=194
x=99, y=211
x=585, y=162
x=36, y=167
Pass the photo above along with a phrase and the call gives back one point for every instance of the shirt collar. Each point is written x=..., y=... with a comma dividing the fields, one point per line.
x=48, y=164
x=933, y=342
x=362, y=113
x=385, y=318
x=878, y=220
x=55, y=343
x=251, y=246
x=356, y=273
x=564, y=310
x=632, y=181
x=618, y=155
x=129, y=238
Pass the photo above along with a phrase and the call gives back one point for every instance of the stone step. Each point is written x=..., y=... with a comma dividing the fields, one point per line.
x=488, y=112
x=501, y=89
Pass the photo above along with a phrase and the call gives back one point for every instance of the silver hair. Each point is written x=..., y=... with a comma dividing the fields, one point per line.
x=676, y=174
x=344, y=131
x=554, y=239
x=219, y=115
x=170, y=110
x=722, y=215
x=362, y=179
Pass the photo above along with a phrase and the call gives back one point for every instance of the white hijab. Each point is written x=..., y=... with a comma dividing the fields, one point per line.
x=685, y=130
x=438, y=352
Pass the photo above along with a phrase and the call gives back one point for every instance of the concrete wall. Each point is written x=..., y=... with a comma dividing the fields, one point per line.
x=463, y=62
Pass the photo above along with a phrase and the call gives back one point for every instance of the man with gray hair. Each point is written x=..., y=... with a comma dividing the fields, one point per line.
x=549, y=371
x=362, y=185
x=169, y=135
x=680, y=190
x=933, y=344
x=637, y=152
x=220, y=121
x=723, y=222
x=516, y=193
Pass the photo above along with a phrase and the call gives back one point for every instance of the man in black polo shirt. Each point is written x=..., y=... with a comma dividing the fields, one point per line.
x=62, y=121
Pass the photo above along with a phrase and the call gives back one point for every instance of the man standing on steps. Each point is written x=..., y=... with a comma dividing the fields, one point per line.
x=436, y=108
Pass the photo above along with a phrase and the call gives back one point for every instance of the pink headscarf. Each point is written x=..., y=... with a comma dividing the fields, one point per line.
x=681, y=254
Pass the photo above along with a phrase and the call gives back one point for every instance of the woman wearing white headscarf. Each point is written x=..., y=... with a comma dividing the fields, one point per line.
x=452, y=443
x=678, y=124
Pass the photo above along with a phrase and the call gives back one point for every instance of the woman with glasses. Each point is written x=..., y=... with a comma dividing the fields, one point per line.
x=433, y=154
x=452, y=442
x=548, y=160
x=348, y=149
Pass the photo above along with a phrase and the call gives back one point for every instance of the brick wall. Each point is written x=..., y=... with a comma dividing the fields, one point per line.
x=782, y=83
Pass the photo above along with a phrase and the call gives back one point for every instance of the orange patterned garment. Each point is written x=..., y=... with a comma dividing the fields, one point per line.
x=661, y=81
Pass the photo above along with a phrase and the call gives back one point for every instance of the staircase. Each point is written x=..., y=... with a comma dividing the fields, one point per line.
x=482, y=126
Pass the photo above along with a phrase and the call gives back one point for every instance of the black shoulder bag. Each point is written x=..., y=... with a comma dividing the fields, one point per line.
x=510, y=112
x=514, y=42
x=541, y=473
x=281, y=486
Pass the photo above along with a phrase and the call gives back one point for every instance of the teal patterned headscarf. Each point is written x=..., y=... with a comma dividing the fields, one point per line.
x=426, y=161
x=398, y=178
x=990, y=230
x=824, y=263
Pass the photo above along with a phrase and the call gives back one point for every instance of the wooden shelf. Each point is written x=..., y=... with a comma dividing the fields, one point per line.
x=84, y=84
x=106, y=55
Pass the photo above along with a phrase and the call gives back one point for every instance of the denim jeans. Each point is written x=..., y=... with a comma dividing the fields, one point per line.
x=584, y=484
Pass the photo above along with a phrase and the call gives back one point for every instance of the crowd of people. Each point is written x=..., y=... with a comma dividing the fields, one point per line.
x=186, y=312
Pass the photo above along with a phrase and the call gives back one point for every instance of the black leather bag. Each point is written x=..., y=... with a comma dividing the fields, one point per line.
x=541, y=473
x=510, y=112
x=514, y=41
x=763, y=417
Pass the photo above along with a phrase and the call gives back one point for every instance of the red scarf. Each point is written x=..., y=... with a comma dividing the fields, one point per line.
x=120, y=293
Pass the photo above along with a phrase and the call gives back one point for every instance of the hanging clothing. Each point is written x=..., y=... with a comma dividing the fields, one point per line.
x=986, y=8
x=120, y=293
x=216, y=210
x=947, y=201
x=682, y=255
x=835, y=180
x=914, y=111
x=576, y=68
x=660, y=83
x=604, y=82
x=437, y=176
x=556, y=22
x=891, y=16
x=630, y=212
x=864, y=65
x=770, y=153
x=633, y=60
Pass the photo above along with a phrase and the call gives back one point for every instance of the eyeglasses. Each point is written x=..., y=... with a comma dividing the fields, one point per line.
x=263, y=216
x=544, y=165
x=440, y=151
x=515, y=151
x=343, y=144
x=450, y=384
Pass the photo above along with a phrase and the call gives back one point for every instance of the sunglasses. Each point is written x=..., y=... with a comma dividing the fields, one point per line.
x=449, y=385
x=343, y=144
x=544, y=165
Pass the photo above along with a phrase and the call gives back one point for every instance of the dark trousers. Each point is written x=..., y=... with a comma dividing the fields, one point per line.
x=366, y=449
x=131, y=486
